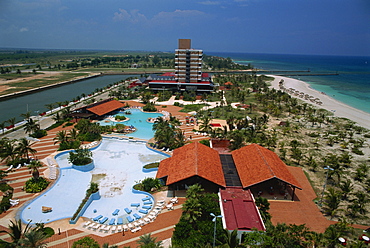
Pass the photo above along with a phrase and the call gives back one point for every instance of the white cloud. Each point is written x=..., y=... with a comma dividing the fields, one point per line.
x=24, y=29
x=210, y=3
x=178, y=14
x=133, y=16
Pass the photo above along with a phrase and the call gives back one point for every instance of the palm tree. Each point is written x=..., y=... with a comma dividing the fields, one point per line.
x=31, y=126
x=33, y=166
x=16, y=233
x=26, y=115
x=232, y=240
x=24, y=148
x=61, y=137
x=147, y=241
x=50, y=106
x=332, y=202
x=192, y=210
x=11, y=121
x=194, y=191
x=34, y=238
x=2, y=126
x=346, y=187
x=8, y=151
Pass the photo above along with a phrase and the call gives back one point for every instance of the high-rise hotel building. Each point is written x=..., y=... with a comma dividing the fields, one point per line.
x=188, y=74
x=188, y=63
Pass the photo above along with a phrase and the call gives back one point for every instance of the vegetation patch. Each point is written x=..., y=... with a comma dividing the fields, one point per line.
x=193, y=107
x=152, y=165
x=36, y=185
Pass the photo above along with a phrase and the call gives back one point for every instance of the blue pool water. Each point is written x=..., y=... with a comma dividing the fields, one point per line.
x=118, y=166
x=138, y=119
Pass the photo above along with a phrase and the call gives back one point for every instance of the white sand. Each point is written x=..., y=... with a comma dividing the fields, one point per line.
x=338, y=108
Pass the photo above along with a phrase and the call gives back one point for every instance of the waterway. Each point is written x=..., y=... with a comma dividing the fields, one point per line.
x=35, y=102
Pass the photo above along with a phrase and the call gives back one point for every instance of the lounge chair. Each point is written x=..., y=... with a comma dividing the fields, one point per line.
x=113, y=229
x=135, y=204
x=147, y=207
x=143, y=211
x=86, y=223
x=119, y=229
x=129, y=218
x=103, y=220
x=102, y=228
x=130, y=226
x=119, y=221
x=97, y=217
x=95, y=227
x=146, y=199
x=115, y=212
x=10, y=167
x=125, y=228
x=128, y=210
x=148, y=203
x=136, y=216
x=141, y=222
x=91, y=225
x=112, y=221
x=18, y=167
x=147, y=220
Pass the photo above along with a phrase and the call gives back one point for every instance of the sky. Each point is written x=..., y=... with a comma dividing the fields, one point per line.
x=315, y=27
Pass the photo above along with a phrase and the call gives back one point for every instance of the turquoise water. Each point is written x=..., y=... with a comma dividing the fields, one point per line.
x=138, y=119
x=351, y=86
x=118, y=164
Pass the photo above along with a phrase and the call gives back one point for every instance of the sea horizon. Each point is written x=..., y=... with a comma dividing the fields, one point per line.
x=351, y=86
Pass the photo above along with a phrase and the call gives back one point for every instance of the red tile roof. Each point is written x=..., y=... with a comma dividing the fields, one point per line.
x=256, y=164
x=239, y=210
x=106, y=107
x=191, y=160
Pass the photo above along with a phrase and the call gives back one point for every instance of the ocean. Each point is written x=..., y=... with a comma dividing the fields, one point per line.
x=351, y=86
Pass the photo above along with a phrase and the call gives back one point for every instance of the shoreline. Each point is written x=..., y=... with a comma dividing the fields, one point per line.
x=338, y=108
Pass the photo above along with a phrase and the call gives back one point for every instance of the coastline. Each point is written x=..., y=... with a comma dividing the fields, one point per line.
x=338, y=108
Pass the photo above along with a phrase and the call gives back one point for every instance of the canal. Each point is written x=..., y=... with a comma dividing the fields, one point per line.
x=35, y=102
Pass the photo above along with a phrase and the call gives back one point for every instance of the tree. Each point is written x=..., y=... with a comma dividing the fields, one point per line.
x=50, y=106
x=31, y=126
x=2, y=126
x=26, y=115
x=263, y=206
x=147, y=241
x=16, y=233
x=11, y=121
x=332, y=202
x=33, y=166
x=231, y=238
x=86, y=242
x=24, y=148
x=8, y=151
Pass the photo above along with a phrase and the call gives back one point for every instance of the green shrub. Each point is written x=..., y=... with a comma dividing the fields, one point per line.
x=151, y=165
x=35, y=186
x=120, y=117
x=80, y=157
x=205, y=142
x=149, y=107
x=39, y=134
x=86, y=242
x=69, y=145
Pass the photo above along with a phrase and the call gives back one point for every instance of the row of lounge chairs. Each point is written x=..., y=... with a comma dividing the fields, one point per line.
x=53, y=169
x=94, y=143
x=134, y=224
x=11, y=167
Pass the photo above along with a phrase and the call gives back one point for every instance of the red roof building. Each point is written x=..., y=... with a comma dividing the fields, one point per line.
x=106, y=107
x=256, y=164
x=239, y=210
x=190, y=164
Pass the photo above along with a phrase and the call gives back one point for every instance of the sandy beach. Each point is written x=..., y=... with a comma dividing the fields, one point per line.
x=338, y=108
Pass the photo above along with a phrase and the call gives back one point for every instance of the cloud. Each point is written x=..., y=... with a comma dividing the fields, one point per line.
x=133, y=16
x=24, y=29
x=210, y=3
x=177, y=14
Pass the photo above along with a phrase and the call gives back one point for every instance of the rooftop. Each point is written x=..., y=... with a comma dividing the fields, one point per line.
x=106, y=107
x=191, y=160
x=239, y=210
x=256, y=164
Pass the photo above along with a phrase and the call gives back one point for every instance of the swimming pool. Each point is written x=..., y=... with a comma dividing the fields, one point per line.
x=118, y=166
x=138, y=120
